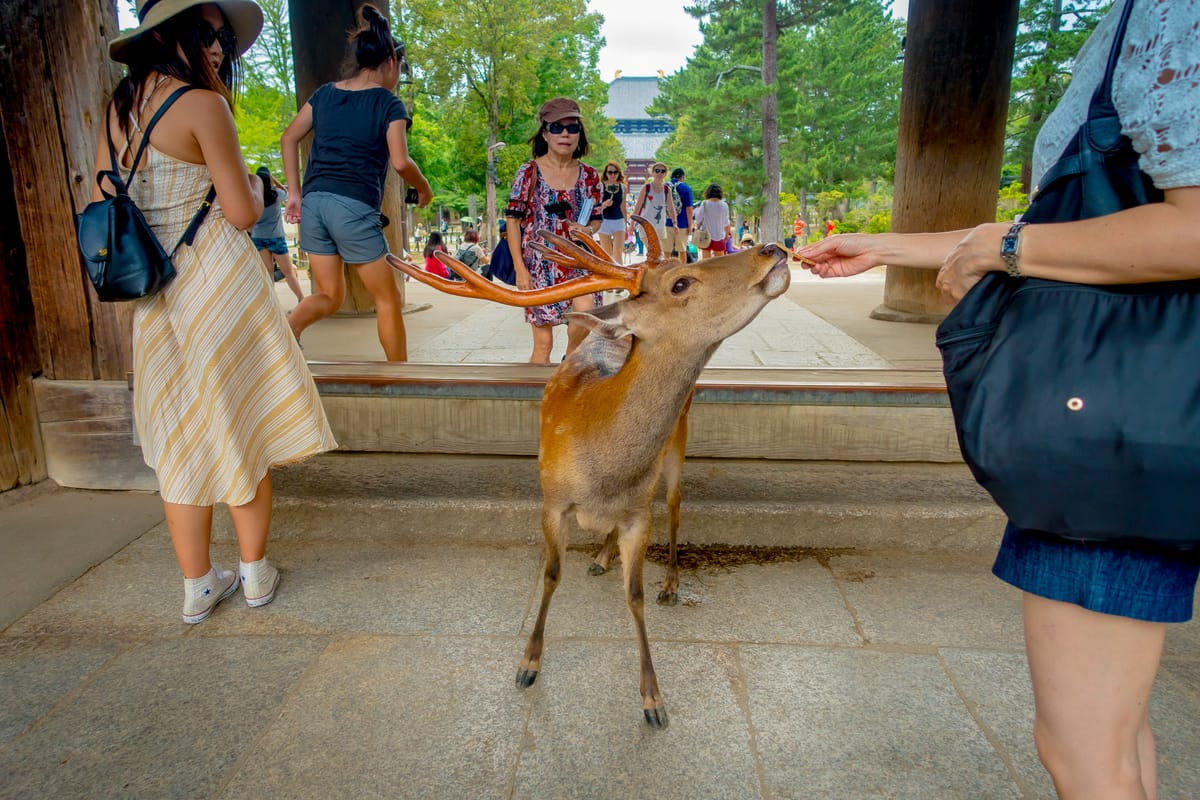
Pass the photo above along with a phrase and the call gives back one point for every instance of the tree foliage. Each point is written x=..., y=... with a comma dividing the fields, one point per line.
x=481, y=70
x=837, y=98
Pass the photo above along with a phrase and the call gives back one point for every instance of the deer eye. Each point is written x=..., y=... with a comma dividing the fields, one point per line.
x=680, y=286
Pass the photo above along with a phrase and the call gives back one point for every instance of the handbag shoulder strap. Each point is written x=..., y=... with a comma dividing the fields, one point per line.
x=122, y=184
x=1103, y=125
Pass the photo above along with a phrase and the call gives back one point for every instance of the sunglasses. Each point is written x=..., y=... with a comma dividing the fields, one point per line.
x=612, y=172
x=225, y=36
x=558, y=208
x=558, y=127
x=659, y=171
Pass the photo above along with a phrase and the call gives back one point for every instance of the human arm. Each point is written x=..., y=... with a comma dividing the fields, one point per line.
x=296, y=130
x=851, y=253
x=1144, y=244
x=397, y=141
x=513, y=235
x=238, y=191
x=641, y=201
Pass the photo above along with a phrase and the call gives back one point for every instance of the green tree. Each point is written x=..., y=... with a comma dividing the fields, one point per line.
x=489, y=66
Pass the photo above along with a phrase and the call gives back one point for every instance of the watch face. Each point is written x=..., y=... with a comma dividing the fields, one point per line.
x=1008, y=246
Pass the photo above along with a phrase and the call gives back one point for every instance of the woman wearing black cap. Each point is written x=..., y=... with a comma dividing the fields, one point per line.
x=549, y=193
x=221, y=390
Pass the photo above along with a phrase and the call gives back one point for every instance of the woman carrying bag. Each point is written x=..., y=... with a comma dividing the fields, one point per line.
x=221, y=391
x=1095, y=610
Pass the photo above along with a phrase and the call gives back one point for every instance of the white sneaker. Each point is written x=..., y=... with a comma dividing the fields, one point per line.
x=259, y=581
x=201, y=595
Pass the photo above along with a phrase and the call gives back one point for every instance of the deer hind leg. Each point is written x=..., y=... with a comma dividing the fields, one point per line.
x=554, y=529
x=632, y=542
x=600, y=563
x=673, y=474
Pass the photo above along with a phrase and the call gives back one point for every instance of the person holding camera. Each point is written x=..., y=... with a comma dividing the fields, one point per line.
x=359, y=127
x=549, y=193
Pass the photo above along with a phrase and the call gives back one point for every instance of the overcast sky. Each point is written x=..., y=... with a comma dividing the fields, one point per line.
x=644, y=36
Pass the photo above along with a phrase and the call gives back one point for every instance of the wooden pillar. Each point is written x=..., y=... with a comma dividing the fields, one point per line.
x=320, y=54
x=958, y=60
x=59, y=61
x=21, y=458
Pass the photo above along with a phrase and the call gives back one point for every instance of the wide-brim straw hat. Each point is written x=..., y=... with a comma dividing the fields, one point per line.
x=245, y=17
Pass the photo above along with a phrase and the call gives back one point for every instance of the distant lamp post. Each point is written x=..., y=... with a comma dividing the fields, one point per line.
x=492, y=179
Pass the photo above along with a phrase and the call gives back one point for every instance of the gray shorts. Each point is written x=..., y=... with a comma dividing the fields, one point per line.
x=336, y=225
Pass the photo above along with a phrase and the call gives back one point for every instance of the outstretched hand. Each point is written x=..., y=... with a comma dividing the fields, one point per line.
x=291, y=210
x=842, y=255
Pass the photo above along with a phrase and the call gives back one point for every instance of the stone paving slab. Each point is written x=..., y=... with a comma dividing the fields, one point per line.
x=386, y=669
x=167, y=719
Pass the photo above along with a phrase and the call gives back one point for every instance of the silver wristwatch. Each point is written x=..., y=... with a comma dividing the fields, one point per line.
x=1010, y=246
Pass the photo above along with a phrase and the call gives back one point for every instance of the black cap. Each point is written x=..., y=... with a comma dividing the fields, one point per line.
x=677, y=173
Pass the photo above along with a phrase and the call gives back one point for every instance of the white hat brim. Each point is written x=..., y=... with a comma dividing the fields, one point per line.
x=245, y=17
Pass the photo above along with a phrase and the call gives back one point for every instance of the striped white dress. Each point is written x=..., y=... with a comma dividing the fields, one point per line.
x=221, y=390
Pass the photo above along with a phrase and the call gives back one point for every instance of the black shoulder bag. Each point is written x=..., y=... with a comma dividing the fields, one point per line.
x=1078, y=407
x=122, y=256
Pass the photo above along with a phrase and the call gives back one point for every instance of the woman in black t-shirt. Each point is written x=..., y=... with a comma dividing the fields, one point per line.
x=359, y=127
x=614, y=216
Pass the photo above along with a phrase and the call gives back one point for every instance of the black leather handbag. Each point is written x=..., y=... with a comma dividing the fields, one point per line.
x=1078, y=407
x=121, y=254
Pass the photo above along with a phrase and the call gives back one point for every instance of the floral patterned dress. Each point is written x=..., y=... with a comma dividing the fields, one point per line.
x=534, y=216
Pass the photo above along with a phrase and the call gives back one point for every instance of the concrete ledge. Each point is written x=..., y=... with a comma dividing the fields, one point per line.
x=846, y=414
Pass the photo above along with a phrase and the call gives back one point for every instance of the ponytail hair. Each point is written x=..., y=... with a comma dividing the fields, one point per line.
x=373, y=41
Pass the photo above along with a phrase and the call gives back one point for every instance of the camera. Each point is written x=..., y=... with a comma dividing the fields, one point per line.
x=411, y=196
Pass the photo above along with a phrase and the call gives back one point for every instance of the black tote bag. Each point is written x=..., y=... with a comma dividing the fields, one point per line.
x=1078, y=407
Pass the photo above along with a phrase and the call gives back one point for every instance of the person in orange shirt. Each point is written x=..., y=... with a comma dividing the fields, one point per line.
x=798, y=227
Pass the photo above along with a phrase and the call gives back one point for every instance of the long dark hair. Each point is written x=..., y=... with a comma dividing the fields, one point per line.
x=158, y=50
x=431, y=246
x=541, y=147
x=373, y=40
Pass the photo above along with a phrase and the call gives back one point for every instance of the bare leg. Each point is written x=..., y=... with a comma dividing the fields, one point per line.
x=555, y=533
x=265, y=255
x=191, y=534
x=543, y=343
x=252, y=522
x=632, y=541
x=327, y=298
x=284, y=262
x=577, y=333
x=606, y=242
x=1092, y=676
x=380, y=280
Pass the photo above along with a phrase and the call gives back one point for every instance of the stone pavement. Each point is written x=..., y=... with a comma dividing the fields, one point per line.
x=816, y=324
x=385, y=667
x=860, y=650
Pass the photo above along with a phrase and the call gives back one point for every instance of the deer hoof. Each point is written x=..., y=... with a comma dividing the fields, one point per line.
x=597, y=569
x=656, y=717
x=668, y=598
x=526, y=677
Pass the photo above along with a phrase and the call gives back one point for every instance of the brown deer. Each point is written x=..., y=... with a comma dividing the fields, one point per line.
x=614, y=411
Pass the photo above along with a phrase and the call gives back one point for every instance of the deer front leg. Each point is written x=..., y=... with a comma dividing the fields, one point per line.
x=632, y=543
x=673, y=473
x=556, y=550
x=604, y=557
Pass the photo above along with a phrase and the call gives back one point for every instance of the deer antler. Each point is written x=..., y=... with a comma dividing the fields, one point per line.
x=604, y=273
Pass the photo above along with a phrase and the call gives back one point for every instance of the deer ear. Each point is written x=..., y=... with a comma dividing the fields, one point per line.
x=607, y=321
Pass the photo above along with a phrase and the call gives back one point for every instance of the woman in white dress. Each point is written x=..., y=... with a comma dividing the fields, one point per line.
x=221, y=390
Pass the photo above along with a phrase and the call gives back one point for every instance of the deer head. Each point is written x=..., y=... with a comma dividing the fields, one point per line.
x=703, y=302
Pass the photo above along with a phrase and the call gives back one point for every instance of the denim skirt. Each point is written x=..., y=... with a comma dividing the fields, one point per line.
x=1126, y=579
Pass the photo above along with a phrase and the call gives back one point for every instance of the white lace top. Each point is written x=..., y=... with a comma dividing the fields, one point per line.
x=1156, y=91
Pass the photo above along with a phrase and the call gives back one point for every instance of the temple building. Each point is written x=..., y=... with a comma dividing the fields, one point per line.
x=639, y=133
